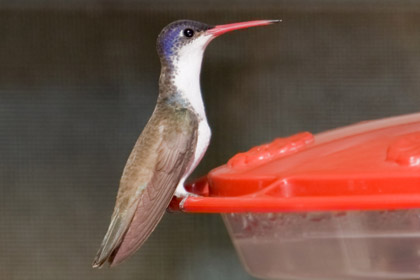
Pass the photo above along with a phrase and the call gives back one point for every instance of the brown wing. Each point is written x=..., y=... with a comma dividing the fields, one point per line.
x=131, y=226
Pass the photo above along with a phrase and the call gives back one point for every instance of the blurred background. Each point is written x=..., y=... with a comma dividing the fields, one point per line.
x=78, y=81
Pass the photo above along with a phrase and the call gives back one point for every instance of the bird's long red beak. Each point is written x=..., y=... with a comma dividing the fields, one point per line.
x=221, y=29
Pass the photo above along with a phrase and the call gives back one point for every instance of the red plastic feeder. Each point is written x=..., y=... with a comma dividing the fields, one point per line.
x=343, y=204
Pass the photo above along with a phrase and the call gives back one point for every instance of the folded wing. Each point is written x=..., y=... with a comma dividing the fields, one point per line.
x=147, y=200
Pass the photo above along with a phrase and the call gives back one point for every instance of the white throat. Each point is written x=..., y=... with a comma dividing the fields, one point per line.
x=187, y=72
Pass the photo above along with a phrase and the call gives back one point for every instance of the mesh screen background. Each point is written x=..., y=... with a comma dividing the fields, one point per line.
x=78, y=82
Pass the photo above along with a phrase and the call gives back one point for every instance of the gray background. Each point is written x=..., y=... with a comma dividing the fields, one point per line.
x=78, y=81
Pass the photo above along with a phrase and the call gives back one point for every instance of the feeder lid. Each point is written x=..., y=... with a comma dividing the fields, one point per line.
x=373, y=165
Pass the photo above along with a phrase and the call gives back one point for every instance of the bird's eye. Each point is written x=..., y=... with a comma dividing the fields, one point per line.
x=188, y=33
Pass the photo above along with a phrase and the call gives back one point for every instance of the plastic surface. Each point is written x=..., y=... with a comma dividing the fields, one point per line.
x=344, y=204
x=328, y=245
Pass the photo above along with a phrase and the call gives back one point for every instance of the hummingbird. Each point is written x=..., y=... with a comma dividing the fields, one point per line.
x=172, y=143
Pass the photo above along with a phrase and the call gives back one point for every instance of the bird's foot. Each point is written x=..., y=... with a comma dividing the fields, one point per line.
x=177, y=202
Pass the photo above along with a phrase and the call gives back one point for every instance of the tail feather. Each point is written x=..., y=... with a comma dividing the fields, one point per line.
x=117, y=228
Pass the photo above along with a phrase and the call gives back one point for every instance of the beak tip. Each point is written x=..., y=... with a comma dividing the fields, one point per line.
x=276, y=20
